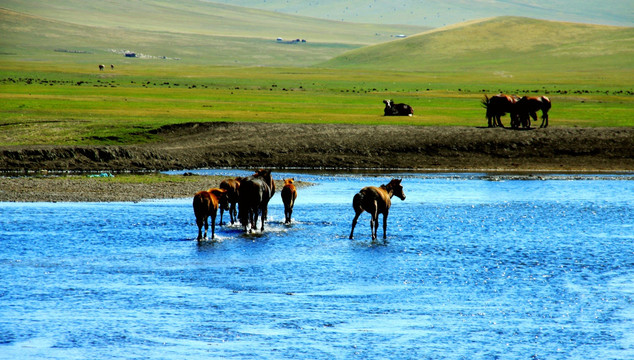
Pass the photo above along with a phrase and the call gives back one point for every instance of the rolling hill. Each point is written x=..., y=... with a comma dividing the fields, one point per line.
x=438, y=13
x=502, y=44
x=191, y=30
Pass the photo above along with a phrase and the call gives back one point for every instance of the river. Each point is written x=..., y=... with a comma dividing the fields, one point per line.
x=475, y=266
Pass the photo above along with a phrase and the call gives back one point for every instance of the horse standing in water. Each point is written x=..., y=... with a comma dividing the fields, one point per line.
x=376, y=201
x=233, y=187
x=528, y=106
x=206, y=204
x=255, y=193
x=497, y=106
x=289, y=194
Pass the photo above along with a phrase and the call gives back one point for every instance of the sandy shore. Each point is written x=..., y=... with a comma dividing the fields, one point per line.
x=306, y=146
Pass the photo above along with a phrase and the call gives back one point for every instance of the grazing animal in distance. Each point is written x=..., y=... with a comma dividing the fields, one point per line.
x=400, y=109
x=206, y=204
x=253, y=200
x=233, y=187
x=289, y=194
x=111, y=66
x=101, y=67
x=528, y=106
x=498, y=106
x=376, y=200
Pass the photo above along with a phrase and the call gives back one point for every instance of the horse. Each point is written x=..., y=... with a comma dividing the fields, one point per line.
x=206, y=204
x=101, y=67
x=233, y=187
x=400, y=109
x=289, y=194
x=255, y=193
x=528, y=106
x=376, y=200
x=111, y=66
x=497, y=106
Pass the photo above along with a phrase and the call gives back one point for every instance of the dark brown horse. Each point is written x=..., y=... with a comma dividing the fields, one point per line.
x=253, y=200
x=233, y=187
x=498, y=106
x=528, y=106
x=289, y=194
x=206, y=204
x=376, y=200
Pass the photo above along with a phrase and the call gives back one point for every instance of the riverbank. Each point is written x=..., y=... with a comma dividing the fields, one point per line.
x=305, y=146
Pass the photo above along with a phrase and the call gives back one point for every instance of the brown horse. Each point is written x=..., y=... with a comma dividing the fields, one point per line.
x=255, y=193
x=289, y=194
x=233, y=187
x=376, y=201
x=528, y=106
x=206, y=204
x=497, y=106
x=101, y=67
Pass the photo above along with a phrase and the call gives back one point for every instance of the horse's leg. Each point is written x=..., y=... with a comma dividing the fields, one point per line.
x=374, y=222
x=199, y=223
x=222, y=211
x=384, y=226
x=206, y=225
x=233, y=213
x=213, y=225
x=544, y=119
x=264, y=217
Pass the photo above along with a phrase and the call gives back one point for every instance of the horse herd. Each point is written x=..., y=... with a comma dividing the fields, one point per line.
x=252, y=194
x=521, y=109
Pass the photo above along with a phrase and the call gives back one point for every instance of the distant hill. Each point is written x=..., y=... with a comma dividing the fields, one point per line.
x=503, y=44
x=190, y=30
x=438, y=13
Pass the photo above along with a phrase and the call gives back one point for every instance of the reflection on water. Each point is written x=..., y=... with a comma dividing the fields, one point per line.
x=475, y=267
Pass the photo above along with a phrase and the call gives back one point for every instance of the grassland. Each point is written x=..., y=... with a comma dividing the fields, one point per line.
x=201, y=63
x=59, y=106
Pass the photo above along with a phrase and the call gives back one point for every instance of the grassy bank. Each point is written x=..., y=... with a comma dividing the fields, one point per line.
x=66, y=104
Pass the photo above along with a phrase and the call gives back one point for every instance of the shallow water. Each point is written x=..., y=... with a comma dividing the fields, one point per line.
x=474, y=267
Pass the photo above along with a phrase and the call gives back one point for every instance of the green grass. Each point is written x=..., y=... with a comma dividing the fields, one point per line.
x=123, y=107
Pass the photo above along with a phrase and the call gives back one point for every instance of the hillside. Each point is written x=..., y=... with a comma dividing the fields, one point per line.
x=502, y=44
x=191, y=30
x=438, y=13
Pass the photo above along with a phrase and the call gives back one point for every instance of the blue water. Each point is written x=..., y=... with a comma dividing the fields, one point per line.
x=474, y=267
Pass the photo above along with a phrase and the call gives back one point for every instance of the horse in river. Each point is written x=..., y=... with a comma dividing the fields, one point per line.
x=233, y=187
x=497, y=106
x=400, y=109
x=289, y=194
x=528, y=106
x=376, y=200
x=255, y=193
x=206, y=204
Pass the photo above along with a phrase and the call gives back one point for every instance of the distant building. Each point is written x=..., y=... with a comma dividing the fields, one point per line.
x=130, y=54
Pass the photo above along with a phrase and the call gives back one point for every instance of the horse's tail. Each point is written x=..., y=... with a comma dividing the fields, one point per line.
x=357, y=201
x=485, y=102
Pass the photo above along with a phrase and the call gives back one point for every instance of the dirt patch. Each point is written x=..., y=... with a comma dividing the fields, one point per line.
x=315, y=146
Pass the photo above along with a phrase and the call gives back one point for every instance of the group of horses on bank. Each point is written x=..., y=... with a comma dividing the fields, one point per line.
x=252, y=194
x=245, y=198
x=521, y=110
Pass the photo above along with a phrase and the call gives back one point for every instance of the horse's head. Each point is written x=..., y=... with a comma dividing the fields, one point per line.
x=396, y=188
x=221, y=195
x=388, y=103
x=268, y=179
x=289, y=181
